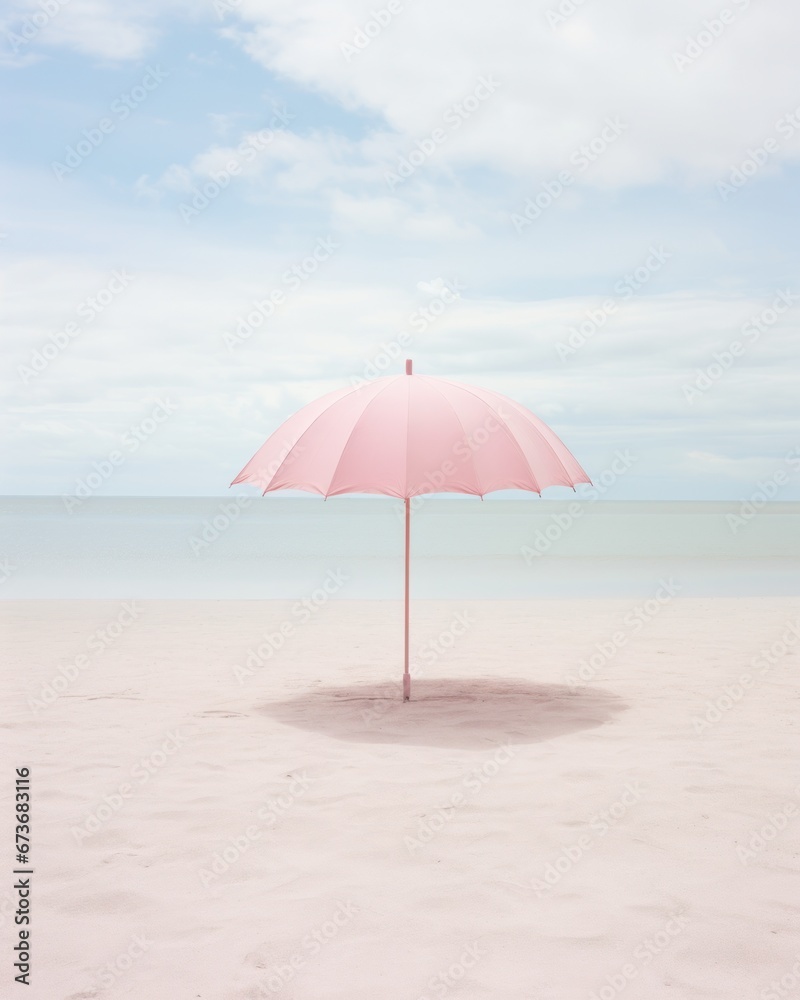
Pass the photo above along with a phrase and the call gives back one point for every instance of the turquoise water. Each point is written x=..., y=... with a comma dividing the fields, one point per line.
x=259, y=547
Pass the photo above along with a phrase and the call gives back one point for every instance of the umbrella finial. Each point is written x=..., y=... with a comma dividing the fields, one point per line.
x=408, y=366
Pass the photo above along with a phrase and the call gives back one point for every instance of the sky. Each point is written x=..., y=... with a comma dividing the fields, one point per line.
x=214, y=212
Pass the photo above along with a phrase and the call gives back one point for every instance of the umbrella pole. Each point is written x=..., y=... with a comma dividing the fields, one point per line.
x=406, y=674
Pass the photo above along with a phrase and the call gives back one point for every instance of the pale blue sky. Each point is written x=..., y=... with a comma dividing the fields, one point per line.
x=304, y=137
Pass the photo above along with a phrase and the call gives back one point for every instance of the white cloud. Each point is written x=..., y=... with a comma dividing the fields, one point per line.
x=92, y=27
x=383, y=216
x=294, y=162
x=335, y=171
x=558, y=85
x=102, y=28
x=598, y=96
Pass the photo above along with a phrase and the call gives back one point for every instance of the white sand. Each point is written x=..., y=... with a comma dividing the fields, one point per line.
x=332, y=892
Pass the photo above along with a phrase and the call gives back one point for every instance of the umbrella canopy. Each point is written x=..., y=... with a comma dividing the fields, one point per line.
x=406, y=435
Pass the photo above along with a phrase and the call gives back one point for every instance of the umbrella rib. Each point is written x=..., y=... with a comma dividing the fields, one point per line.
x=342, y=396
x=300, y=436
x=360, y=417
x=463, y=428
x=521, y=410
x=508, y=431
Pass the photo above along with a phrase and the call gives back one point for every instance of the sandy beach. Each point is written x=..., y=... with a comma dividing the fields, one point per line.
x=584, y=798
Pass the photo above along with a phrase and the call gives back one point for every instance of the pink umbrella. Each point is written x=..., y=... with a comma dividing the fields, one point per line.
x=408, y=436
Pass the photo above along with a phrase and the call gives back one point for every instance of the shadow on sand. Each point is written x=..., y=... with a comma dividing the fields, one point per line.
x=469, y=714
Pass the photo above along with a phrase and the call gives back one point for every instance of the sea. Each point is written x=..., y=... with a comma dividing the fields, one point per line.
x=253, y=547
